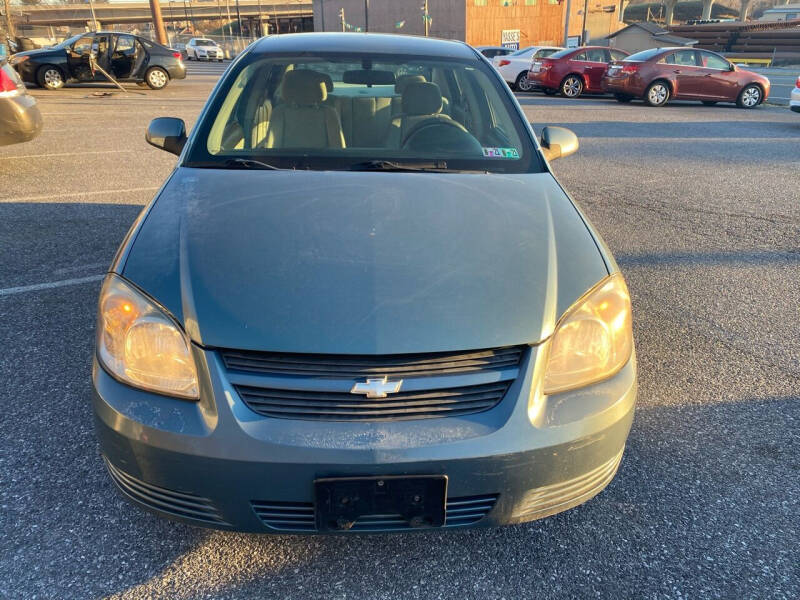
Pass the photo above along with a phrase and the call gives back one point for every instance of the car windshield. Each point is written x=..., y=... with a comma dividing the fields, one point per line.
x=523, y=52
x=375, y=112
x=205, y=43
x=643, y=55
x=69, y=41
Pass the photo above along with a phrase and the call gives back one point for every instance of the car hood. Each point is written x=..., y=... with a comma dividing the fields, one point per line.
x=39, y=52
x=362, y=263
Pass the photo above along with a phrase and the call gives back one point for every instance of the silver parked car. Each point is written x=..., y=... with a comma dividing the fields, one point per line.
x=362, y=302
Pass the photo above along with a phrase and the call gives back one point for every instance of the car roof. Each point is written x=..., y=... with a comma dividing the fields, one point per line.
x=381, y=43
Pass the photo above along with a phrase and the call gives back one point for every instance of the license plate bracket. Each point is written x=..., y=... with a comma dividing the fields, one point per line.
x=419, y=499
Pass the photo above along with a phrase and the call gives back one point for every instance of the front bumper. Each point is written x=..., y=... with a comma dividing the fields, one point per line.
x=215, y=463
x=20, y=119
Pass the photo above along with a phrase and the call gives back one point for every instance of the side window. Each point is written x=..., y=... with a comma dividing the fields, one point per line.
x=83, y=45
x=712, y=61
x=125, y=44
x=544, y=53
x=596, y=55
x=669, y=59
x=685, y=58
x=617, y=55
x=579, y=56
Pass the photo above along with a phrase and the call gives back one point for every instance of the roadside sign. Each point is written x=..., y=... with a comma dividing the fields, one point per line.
x=573, y=41
x=509, y=38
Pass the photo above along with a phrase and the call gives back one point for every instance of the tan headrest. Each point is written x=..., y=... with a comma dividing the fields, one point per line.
x=422, y=99
x=401, y=83
x=303, y=88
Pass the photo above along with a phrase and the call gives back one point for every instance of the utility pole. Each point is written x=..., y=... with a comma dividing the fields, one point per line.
x=366, y=15
x=341, y=18
x=239, y=18
x=228, y=10
x=158, y=22
x=94, y=18
x=9, y=23
x=583, y=28
x=566, y=23
x=260, y=22
x=426, y=18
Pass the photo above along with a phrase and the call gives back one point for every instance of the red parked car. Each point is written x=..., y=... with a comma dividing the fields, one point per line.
x=574, y=70
x=684, y=74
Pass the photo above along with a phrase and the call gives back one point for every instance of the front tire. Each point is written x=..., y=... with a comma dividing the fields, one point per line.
x=572, y=86
x=657, y=93
x=50, y=77
x=750, y=96
x=523, y=84
x=156, y=78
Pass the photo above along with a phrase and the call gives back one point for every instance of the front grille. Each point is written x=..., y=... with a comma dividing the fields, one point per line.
x=360, y=366
x=343, y=406
x=299, y=516
x=180, y=504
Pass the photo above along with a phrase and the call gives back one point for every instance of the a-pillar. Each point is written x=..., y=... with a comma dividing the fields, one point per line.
x=670, y=8
x=744, y=9
x=707, y=4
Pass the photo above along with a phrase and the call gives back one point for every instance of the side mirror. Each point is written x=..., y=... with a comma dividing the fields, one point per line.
x=558, y=142
x=167, y=133
x=733, y=67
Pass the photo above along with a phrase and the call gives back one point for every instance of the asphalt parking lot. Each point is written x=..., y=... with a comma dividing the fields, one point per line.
x=700, y=207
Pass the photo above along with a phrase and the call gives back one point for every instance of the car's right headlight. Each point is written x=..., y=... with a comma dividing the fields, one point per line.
x=140, y=345
x=593, y=340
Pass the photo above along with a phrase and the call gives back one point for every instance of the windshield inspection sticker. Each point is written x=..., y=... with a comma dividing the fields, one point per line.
x=500, y=152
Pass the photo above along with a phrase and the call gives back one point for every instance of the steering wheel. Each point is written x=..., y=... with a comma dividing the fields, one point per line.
x=461, y=141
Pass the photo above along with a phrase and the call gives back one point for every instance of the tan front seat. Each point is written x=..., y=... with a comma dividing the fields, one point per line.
x=303, y=120
x=422, y=101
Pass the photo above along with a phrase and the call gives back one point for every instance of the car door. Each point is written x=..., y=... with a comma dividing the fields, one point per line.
x=719, y=82
x=595, y=67
x=102, y=49
x=682, y=68
x=78, y=58
x=123, y=58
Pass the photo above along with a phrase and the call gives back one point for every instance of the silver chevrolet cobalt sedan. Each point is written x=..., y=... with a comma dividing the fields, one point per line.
x=362, y=302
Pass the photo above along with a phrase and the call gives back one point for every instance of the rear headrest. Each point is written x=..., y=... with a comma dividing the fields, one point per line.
x=422, y=98
x=402, y=82
x=303, y=87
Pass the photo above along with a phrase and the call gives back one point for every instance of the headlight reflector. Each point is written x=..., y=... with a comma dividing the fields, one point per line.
x=142, y=346
x=593, y=340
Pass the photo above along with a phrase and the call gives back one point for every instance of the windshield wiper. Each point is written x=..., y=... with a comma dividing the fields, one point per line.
x=438, y=166
x=249, y=163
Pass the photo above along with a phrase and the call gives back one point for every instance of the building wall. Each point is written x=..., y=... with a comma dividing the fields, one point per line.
x=539, y=21
x=599, y=23
x=634, y=40
x=447, y=16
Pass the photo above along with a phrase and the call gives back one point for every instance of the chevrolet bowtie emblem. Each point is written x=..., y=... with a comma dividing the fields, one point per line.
x=377, y=388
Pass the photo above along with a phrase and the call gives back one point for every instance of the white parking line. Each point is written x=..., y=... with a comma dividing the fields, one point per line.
x=56, y=196
x=49, y=285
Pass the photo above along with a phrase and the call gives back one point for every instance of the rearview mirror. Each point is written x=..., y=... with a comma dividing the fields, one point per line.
x=167, y=133
x=558, y=142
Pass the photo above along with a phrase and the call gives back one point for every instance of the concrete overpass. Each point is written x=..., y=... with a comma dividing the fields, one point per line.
x=275, y=12
x=744, y=9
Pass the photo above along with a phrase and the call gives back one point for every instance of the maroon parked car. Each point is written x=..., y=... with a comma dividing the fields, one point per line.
x=684, y=74
x=574, y=70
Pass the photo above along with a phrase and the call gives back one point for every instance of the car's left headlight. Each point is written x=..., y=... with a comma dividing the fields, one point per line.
x=593, y=340
x=140, y=345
